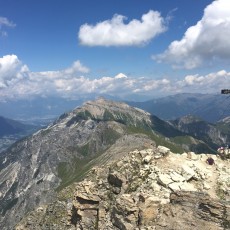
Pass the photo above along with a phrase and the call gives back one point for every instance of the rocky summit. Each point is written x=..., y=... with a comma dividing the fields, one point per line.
x=145, y=189
x=107, y=165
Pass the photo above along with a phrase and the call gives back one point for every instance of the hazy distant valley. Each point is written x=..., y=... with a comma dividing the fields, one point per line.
x=12, y=131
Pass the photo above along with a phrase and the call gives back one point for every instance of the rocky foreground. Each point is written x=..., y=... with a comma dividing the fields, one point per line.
x=145, y=189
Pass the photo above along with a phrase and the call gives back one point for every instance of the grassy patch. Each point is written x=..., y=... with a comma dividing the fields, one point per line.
x=73, y=172
x=160, y=140
x=84, y=150
x=107, y=116
x=182, y=140
x=84, y=115
x=46, y=131
x=77, y=168
x=201, y=148
x=110, y=136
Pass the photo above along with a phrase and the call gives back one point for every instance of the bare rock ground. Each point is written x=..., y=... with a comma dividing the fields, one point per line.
x=145, y=189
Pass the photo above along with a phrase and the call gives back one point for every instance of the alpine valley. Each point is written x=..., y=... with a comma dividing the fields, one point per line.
x=108, y=165
x=11, y=131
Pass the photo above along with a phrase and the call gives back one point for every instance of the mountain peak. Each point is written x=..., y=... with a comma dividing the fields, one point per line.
x=102, y=109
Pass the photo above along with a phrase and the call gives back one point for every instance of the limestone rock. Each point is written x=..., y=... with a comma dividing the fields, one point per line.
x=147, y=159
x=163, y=150
x=149, y=210
x=176, y=177
x=175, y=186
x=125, y=212
x=187, y=172
x=187, y=187
x=168, y=193
x=165, y=179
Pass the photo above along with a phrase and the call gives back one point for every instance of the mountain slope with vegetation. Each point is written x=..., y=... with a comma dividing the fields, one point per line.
x=215, y=135
x=35, y=169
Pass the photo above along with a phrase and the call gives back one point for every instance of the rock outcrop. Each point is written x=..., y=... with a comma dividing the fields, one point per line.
x=146, y=189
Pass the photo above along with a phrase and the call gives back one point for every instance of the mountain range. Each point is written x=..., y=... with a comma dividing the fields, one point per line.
x=208, y=107
x=34, y=170
x=43, y=110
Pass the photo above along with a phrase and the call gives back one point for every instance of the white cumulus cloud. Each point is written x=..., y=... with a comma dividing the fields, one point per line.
x=11, y=69
x=207, y=41
x=76, y=67
x=115, y=32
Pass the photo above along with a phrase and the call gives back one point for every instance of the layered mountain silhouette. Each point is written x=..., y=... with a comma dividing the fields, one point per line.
x=208, y=107
x=11, y=127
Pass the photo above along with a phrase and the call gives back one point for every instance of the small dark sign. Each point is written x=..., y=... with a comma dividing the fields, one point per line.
x=225, y=91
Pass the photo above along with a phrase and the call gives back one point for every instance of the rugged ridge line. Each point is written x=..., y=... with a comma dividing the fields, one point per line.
x=145, y=189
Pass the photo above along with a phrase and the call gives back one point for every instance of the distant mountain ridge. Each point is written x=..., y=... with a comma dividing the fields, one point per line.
x=215, y=134
x=209, y=107
x=9, y=126
x=43, y=110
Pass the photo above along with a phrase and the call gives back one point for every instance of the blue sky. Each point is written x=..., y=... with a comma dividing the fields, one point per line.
x=132, y=47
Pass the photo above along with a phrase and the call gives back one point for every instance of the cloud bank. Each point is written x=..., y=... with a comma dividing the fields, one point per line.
x=115, y=32
x=204, y=43
x=17, y=81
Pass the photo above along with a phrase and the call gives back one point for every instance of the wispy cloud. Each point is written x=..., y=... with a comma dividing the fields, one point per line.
x=206, y=42
x=4, y=22
x=115, y=32
x=17, y=81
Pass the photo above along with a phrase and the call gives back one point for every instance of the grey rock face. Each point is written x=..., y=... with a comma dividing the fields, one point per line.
x=32, y=169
